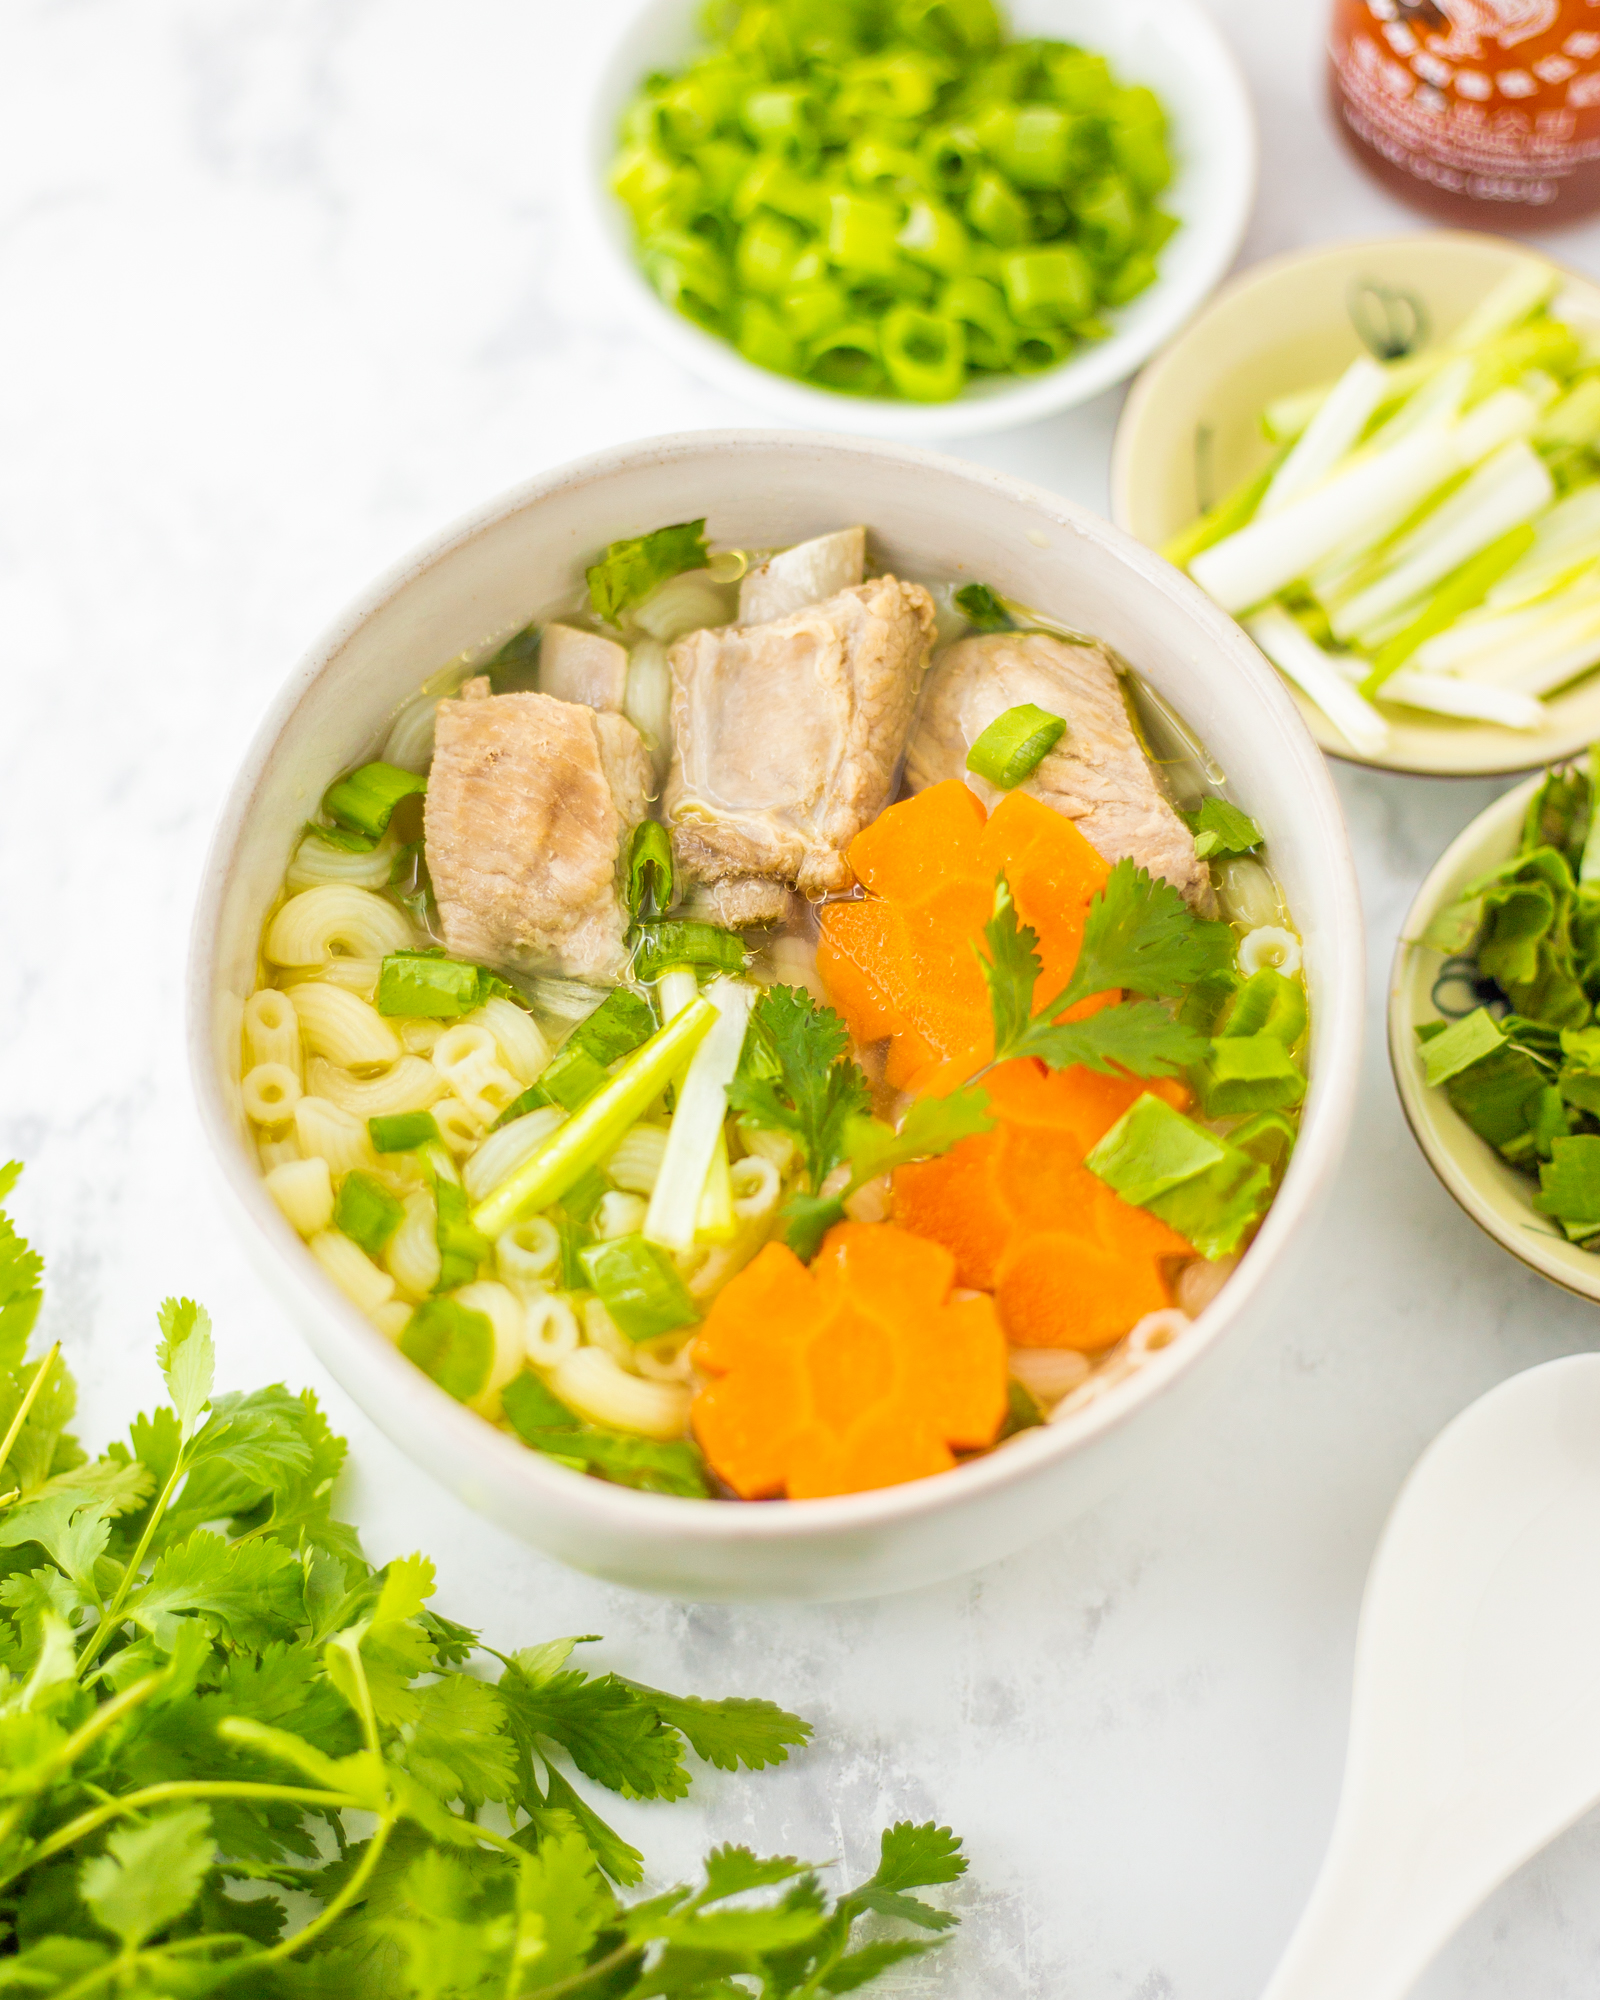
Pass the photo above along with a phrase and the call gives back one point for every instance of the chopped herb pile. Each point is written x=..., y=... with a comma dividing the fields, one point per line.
x=208, y=1697
x=1523, y=1067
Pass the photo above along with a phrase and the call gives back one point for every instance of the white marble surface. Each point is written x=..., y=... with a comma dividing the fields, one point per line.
x=282, y=288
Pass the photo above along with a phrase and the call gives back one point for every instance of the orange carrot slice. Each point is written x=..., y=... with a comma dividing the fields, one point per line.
x=856, y=1373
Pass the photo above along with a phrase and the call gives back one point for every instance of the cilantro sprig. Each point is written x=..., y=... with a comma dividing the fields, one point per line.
x=796, y=1078
x=1139, y=936
x=206, y=1691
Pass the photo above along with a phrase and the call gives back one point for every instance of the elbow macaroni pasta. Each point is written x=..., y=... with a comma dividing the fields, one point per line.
x=528, y=1254
x=413, y=1253
x=346, y=1029
x=590, y=1382
x=317, y=862
x=411, y=1085
x=328, y=1132
x=352, y=1270
x=333, y=920
x=504, y=1151
x=466, y=1056
x=303, y=1189
x=270, y=1092
x=503, y=1310
x=549, y=1328
x=636, y=1164
x=523, y=1048
x=272, y=1030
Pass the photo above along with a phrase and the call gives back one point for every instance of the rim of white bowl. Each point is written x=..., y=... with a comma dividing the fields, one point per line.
x=1329, y=1107
x=1233, y=148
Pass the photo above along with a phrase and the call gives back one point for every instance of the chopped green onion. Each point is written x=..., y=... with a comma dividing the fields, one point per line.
x=569, y=1079
x=425, y=985
x=594, y=1133
x=342, y=837
x=366, y=1212
x=1461, y=592
x=1246, y=1073
x=639, y=1287
x=1052, y=287
x=365, y=800
x=530, y=1406
x=1015, y=745
x=1461, y=1044
x=649, y=870
x=1205, y=1188
x=983, y=608
x=619, y=1025
x=403, y=1131
x=685, y=941
x=1268, y=1003
x=461, y=1247
x=452, y=1344
x=630, y=570
x=924, y=354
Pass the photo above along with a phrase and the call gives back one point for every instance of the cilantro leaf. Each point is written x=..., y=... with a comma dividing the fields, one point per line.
x=187, y=1358
x=860, y=1968
x=562, y=1898
x=560, y=1803
x=1011, y=969
x=985, y=610
x=1219, y=827
x=254, y=1590
x=916, y=1856
x=1138, y=930
x=795, y=1077
x=20, y=1272
x=456, y=1742
x=734, y=1871
x=149, y=1874
x=1138, y=1037
x=629, y=570
x=1142, y=937
x=730, y=1732
x=806, y=1220
x=611, y=1733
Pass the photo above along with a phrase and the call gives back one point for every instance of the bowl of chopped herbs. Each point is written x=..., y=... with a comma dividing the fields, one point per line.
x=934, y=215
x=1493, y=1027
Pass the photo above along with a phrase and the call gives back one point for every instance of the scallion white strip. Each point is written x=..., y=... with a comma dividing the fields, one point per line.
x=1565, y=539
x=1526, y=287
x=1301, y=660
x=1545, y=658
x=697, y=1121
x=1478, y=638
x=1445, y=694
x=1332, y=432
x=1507, y=489
x=1357, y=507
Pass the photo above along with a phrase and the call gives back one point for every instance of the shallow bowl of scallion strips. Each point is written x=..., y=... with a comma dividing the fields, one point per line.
x=1383, y=458
x=916, y=218
x=1494, y=1023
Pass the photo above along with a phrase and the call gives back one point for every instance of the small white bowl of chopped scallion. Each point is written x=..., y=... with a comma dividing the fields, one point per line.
x=1384, y=460
x=918, y=218
x=1493, y=1033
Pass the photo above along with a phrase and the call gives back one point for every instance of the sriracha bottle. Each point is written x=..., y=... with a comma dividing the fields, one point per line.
x=1485, y=112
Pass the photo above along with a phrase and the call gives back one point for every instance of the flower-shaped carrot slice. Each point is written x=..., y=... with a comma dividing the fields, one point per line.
x=856, y=1373
x=1070, y=1263
x=900, y=962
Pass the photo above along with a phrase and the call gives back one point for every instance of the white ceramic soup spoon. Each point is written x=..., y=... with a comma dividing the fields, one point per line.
x=1475, y=1724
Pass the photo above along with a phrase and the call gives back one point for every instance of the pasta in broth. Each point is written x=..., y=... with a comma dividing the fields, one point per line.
x=777, y=1028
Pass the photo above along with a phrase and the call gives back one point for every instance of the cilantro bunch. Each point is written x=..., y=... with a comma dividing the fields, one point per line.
x=1522, y=1065
x=236, y=1758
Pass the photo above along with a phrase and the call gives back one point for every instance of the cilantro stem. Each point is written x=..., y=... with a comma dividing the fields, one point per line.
x=104, y=1718
x=333, y=1910
x=111, y=1617
x=155, y=1795
x=576, y=1981
x=26, y=1405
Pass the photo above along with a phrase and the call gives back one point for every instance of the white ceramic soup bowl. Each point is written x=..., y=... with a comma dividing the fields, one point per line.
x=1172, y=45
x=932, y=516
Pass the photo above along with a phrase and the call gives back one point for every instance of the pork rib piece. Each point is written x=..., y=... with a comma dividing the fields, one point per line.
x=531, y=802
x=786, y=740
x=1096, y=775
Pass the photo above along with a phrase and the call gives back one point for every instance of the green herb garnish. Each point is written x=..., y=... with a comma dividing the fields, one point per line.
x=364, y=800
x=630, y=570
